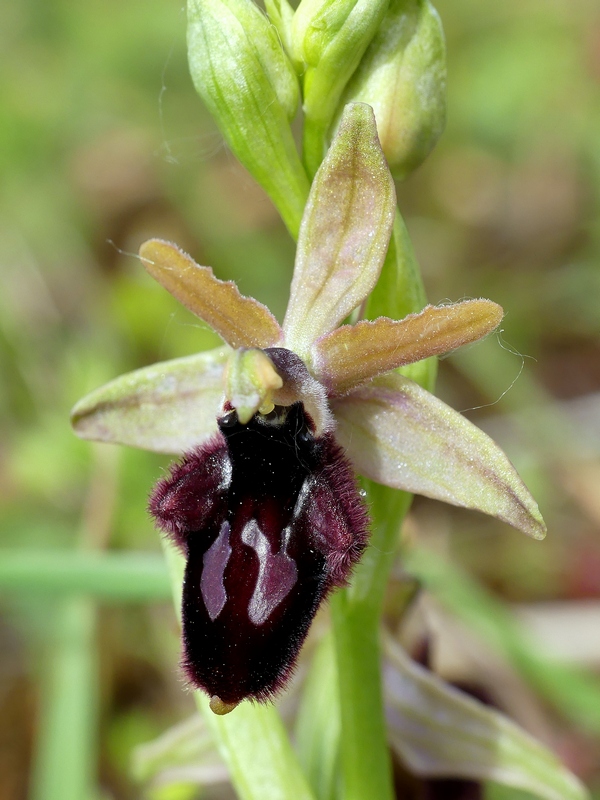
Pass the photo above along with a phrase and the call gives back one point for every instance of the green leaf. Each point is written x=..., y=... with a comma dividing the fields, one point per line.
x=167, y=407
x=439, y=731
x=574, y=692
x=400, y=435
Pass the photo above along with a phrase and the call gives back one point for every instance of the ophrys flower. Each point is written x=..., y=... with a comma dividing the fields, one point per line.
x=264, y=504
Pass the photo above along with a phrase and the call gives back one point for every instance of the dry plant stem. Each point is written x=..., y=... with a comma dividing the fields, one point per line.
x=356, y=614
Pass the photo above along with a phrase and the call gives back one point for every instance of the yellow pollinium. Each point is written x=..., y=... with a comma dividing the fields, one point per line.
x=250, y=380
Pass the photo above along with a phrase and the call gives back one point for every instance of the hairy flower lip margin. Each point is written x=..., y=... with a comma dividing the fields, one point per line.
x=270, y=521
x=153, y=406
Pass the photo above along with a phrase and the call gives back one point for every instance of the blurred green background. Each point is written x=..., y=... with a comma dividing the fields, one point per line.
x=103, y=143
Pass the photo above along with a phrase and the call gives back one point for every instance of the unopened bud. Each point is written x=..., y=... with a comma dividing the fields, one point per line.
x=281, y=15
x=329, y=38
x=402, y=75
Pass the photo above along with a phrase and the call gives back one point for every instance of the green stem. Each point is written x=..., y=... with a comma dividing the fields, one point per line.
x=313, y=145
x=289, y=197
x=357, y=610
x=356, y=613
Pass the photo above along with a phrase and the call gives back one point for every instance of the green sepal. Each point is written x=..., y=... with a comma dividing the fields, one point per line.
x=167, y=407
x=344, y=234
x=400, y=435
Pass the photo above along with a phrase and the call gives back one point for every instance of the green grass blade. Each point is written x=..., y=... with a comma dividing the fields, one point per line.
x=65, y=758
x=572, y=691
x=439, y=730
x=135, y=577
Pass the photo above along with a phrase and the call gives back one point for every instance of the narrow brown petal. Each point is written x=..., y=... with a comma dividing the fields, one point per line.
x=398, y=434
x=344, y=234
x=240, y=321
x=354, y=354
x=168, y=407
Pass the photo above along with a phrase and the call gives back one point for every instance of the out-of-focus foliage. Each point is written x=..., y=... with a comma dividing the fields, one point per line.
x=104, y=143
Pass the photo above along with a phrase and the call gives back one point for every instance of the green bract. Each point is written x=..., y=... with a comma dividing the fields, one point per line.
x=402, y=76
x=242, y=73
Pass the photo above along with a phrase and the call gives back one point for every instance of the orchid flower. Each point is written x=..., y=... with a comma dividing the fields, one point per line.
x=275, y=424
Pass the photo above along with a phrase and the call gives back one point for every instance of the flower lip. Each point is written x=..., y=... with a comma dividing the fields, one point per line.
x=270, y=519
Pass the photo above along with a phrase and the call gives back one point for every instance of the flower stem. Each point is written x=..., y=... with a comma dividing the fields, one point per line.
x=356, y=612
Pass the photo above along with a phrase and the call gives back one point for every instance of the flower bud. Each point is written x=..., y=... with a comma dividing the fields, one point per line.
x=329, y=38
x=281, y=15
x=402, y=75
x=241, y=72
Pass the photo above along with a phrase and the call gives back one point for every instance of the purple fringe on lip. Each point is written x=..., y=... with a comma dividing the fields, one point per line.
x=270, y=520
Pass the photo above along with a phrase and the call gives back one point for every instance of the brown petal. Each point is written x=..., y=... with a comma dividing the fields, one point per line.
x=240, y=321
x=398, y=434
x=354, y=354
x=344, y=234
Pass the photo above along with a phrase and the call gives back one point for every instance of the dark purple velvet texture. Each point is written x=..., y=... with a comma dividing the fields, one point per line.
x=270, y=520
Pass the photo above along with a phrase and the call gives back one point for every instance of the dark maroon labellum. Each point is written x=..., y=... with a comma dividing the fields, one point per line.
x=270, y=520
